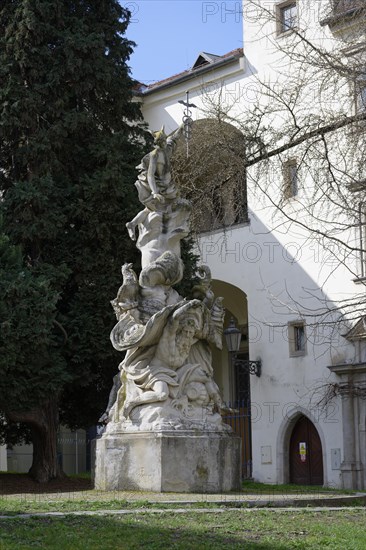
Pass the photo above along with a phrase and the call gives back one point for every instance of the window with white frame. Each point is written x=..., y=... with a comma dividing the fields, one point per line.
x=290, y=178
x=286, y=15
x=297, y=338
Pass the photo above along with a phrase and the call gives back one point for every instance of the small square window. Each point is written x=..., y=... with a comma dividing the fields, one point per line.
x=286, y=17
x=290, y=179
x=297, y=338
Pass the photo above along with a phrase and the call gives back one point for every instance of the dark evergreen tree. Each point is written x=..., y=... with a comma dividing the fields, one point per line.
x=70, y=138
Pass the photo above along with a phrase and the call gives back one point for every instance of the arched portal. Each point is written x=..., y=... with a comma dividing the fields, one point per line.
x=236, y=306
x=231, y=375
x=305, y=454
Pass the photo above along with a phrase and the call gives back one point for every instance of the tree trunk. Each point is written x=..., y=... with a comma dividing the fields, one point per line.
x=43, y=423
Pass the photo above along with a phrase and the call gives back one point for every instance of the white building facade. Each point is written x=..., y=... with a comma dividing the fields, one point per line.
x=290, y=295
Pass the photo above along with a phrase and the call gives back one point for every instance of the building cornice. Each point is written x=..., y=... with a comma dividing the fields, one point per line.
x=336, y=18
x=348, y=368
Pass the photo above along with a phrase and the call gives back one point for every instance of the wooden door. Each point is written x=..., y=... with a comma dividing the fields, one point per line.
x=306, y=457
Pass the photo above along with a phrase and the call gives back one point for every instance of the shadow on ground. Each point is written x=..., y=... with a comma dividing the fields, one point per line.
x=12, y=484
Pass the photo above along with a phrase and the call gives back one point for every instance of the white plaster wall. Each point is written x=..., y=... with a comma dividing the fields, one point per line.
x=243, y=259
x=282, y=273
x=162, y=106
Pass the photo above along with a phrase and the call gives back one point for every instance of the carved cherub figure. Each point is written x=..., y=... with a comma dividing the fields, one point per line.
x=154, y=184
x=127, y=296
x=159, y=169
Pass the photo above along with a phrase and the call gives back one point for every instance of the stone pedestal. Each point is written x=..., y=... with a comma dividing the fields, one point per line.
x=187, y=462
x=352, y=473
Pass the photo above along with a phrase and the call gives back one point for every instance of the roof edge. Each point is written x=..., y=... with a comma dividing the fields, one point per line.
x=192, y=73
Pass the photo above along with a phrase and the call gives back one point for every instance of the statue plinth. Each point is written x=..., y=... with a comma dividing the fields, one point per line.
x=164, y=431
x=182, y=462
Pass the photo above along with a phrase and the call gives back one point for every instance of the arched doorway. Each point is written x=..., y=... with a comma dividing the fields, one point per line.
x=230, y=373
x=305, y=454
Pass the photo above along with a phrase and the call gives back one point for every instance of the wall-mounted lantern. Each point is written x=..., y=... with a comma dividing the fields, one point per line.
x=233, y=338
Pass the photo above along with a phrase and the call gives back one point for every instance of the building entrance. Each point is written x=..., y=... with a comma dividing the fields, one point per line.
x=305, y=454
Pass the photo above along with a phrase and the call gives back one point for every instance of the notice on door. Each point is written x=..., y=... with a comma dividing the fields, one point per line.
x=302, y=451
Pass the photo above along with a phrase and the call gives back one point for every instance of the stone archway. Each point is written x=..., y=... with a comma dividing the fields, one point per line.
x=236, y=305
x=231, y=376
x=286, y=429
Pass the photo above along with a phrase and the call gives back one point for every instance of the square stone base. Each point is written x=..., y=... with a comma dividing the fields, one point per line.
x=184, y=462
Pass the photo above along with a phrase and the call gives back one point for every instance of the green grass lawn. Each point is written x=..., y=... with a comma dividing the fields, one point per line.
x=158, y=525
x=260, y=530
x=95, y=500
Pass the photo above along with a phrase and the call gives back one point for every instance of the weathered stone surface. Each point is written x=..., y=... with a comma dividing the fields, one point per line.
x=187, y=462
x=164, y=430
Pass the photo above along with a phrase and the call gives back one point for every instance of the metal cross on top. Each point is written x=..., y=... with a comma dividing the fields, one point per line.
x=187, y=119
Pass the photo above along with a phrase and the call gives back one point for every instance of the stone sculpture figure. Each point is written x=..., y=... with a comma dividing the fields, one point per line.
x=159, y=378
x=164, y=403
x=155, y=184
x=164, y=221
x=166, y=377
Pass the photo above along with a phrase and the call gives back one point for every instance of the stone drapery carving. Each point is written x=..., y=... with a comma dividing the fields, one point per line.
x=166, y=377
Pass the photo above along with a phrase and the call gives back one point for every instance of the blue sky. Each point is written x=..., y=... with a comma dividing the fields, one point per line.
x=171, y=33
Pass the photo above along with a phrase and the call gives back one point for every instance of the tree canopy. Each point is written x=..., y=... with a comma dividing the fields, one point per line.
x=70, y=137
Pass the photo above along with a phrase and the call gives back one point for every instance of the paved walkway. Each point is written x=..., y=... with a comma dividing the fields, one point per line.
x=183, y=503
x=178, y=511
x=237, y=499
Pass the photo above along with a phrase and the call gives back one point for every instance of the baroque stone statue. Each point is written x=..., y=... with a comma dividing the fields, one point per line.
x=166, y=377
x=164, y=403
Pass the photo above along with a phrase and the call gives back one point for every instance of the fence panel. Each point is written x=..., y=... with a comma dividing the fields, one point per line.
x=238, y=417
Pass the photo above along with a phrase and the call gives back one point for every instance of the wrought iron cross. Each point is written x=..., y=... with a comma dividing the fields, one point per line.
x=187, y=119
